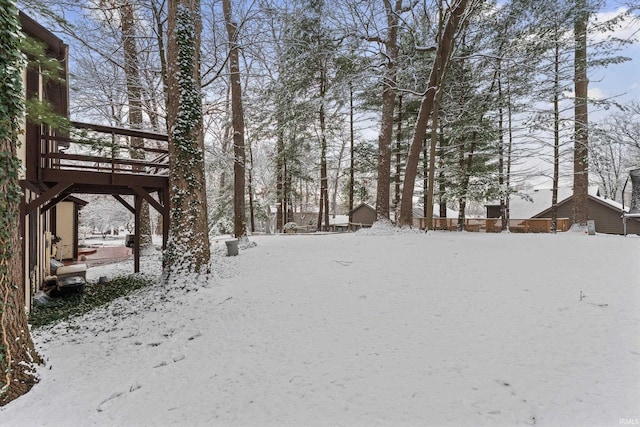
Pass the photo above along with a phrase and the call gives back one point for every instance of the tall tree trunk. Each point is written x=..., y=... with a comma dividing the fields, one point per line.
x=188, y=248
x=436, y=77
x=352, y=155
x=581, y=138
x=432, y=164
x=336, y=181
x=507, y=209
x=239, y=154
x=280, y=181
x=134, y=97
x=227, y=132
x=442, y=184
x=323, y=214
x=465, y=166
x=556, y=134
x=398, y=150
x=430, y=187
x=250, y=189
x=159, y=22
x=388, y=104
x=17, y=354
x=425, y=182
x=501, y=165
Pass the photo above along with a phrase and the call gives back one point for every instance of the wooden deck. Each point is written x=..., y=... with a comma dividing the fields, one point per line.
x=97, y=159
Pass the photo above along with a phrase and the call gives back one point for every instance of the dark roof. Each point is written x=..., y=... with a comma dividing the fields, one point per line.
x=609, y=205
x=363, y=205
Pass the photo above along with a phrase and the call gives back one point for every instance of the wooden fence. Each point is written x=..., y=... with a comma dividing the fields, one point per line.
x=494, y=225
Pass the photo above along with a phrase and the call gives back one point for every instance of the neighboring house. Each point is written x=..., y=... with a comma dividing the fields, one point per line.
x=51, y=176
x=607, y=214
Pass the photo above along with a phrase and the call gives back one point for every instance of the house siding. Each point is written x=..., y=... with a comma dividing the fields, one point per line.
x=364, y=215
x=607, y=219
x=36, y=247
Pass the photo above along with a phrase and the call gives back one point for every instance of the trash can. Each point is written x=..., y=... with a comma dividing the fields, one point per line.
x=232, y=247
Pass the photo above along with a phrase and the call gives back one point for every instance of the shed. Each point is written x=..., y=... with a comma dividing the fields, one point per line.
x=363, y=215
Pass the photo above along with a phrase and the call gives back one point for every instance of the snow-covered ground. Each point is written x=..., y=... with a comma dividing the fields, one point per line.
x=382, y=328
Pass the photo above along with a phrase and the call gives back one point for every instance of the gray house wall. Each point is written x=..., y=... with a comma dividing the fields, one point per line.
x=607, y=218
x=364, y=214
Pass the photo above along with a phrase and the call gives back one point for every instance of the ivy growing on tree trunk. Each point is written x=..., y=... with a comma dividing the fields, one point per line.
x=17, y=354
x=188, y=246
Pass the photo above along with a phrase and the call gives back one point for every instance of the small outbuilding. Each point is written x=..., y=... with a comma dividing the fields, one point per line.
x=363, y=216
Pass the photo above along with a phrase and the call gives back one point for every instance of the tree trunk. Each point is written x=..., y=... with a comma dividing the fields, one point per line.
x=430, y=187
x=280, y=178
x=436, y=77
x=252, y=211
x=398, y=150
x=323, y=214
x=501, y=165
x=442, y=185
x=239, y=154
x=507, y=211
x=581, y=138
x=556, y=136
x=465, y=166
x=188, y=248
x=134, y=96
x=157, y=16
x=388, y=104
x=17, y=353
x=352, y=155
x=432, y=165
x=336, y=181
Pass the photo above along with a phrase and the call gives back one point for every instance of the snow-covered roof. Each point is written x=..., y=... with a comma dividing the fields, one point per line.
x=339, y=220
x=418, y=211
x=530, y=203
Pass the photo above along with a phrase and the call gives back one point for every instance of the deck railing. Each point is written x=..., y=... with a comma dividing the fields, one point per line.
x=97, y=148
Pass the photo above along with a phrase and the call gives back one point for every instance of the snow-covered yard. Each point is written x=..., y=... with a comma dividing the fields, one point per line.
x=392, y=329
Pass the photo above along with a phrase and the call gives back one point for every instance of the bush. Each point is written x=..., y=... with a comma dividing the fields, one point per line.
x=290, y=227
